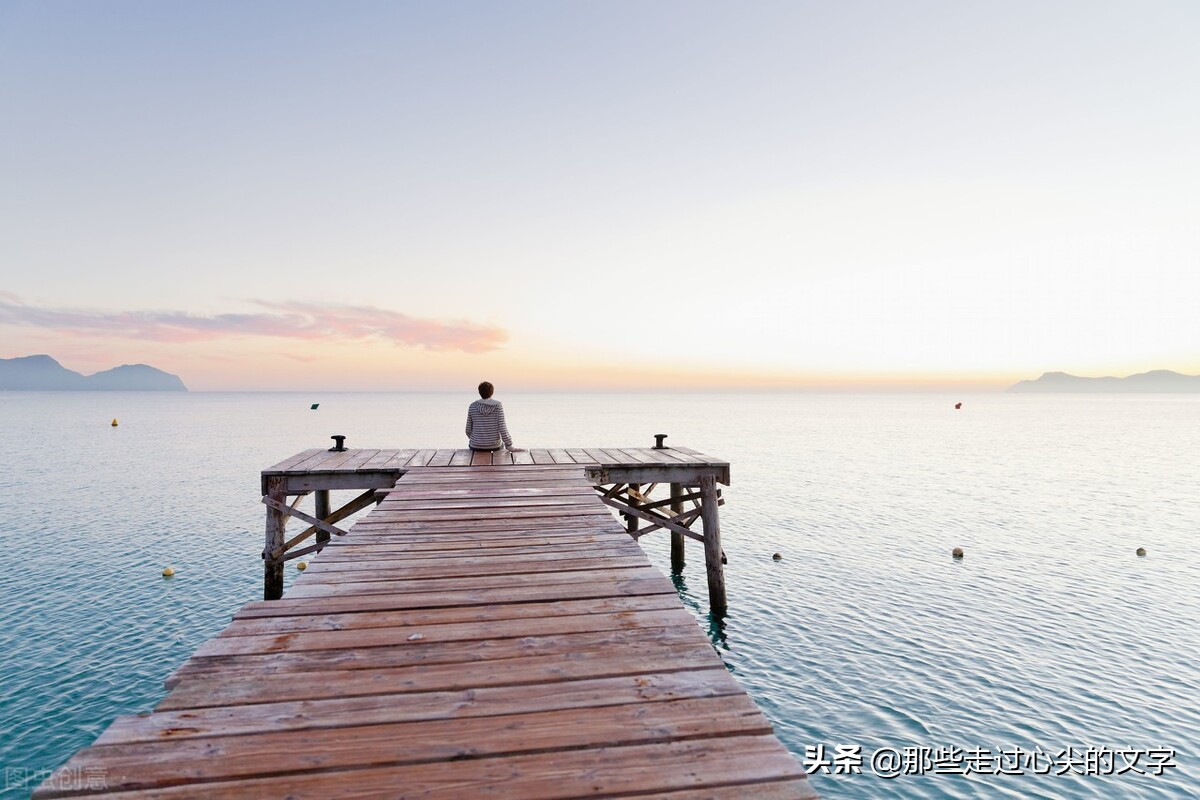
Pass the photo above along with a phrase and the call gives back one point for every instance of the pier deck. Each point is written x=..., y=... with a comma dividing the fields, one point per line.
x=483, y=632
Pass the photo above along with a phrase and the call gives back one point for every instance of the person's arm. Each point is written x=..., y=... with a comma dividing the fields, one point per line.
x=468, y=422
x=504, y=429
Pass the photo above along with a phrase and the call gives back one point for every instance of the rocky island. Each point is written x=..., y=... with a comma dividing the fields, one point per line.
x=1155, y=381
x=41, y=373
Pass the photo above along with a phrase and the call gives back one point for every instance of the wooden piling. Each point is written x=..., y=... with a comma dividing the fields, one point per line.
x=276, y=489
x=712, y=544
x=321, y=496
x=677, y=538
x=631, y=522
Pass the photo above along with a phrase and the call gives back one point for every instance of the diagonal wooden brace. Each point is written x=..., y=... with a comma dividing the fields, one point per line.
x=357, y=504
x=311, y=520
x=658, y=520
x=685, y=520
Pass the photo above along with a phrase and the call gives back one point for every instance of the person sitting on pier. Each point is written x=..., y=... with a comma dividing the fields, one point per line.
x=485, y=422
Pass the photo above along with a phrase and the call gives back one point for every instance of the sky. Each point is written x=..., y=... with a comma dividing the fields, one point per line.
x=601, y=195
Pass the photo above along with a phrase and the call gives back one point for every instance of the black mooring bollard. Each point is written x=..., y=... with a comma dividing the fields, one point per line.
x=658, y=441
x=339, y=444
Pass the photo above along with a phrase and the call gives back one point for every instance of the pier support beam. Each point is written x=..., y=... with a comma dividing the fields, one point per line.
x=712, y=545
x=677, y=538
x=276, y=486
x=321, y=497
x=631, y=522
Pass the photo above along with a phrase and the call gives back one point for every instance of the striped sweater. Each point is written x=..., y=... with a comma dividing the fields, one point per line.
x=486, y=426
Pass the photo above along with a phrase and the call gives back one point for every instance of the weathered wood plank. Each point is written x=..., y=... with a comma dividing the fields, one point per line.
x=432, y=634
x=483, y=653
x=391, y=708
x=441, y=458
x=487, y=582
x=438, y=616
x=144, y=765
x=586, y=771
x=289, y=606
x=287, y=463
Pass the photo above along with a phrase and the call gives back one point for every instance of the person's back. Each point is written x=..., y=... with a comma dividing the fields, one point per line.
x=486, y=427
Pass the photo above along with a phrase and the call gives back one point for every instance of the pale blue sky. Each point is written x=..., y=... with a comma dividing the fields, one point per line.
x=753, y=192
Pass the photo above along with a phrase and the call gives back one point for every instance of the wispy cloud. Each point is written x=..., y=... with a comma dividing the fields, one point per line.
x=304, y=321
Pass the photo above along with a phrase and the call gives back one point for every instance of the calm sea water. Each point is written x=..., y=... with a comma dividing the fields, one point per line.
x=1050, y=633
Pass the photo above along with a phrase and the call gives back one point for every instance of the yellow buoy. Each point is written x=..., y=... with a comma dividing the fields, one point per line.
x=303, y=565
x=114, y=423
x=168, y=572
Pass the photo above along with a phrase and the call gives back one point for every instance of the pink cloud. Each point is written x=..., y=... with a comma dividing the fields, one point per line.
x=304, y=321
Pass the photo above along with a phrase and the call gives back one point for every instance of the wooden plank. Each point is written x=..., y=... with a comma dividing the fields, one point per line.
x=226, y=685
x=391, y=708
x=410, y=618
x=420, y=458
x=617, y=456
x=469, y=516
x=400, y=460
x=599, y=456
x=367, y=533
x=541, y=456
x=654, y=473
x=628, y=649
x=380, y=458
x=435, y=492
x=484, y=471
x=287, y=463
x=634, y=768
x=365, y=561
x=357, y=480
x=333, y=461
x=580, y=455
x=412, y=506
x=466, y=568
x=785, y=789
x=300, y=589
x=635, y=455
x=393, y=601
x=360, y=458
x=141, y=765
x=665, y=456
x=434, y=634
x=441, y=458
x=460, y=458
x=316, y=459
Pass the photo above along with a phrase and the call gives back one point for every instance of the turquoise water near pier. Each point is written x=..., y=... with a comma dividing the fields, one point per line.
x=1050, y=633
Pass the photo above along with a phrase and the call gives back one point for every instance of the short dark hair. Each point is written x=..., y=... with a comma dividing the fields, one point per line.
x=486, y=389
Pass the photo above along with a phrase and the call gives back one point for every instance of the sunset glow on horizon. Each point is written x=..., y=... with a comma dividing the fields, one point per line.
x=403, y=196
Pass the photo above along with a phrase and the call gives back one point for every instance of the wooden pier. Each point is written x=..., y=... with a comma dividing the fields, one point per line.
x=487, y=630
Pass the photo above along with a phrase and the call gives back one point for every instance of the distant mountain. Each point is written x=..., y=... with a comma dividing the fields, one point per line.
x=1159, y=381
x=43, y=373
